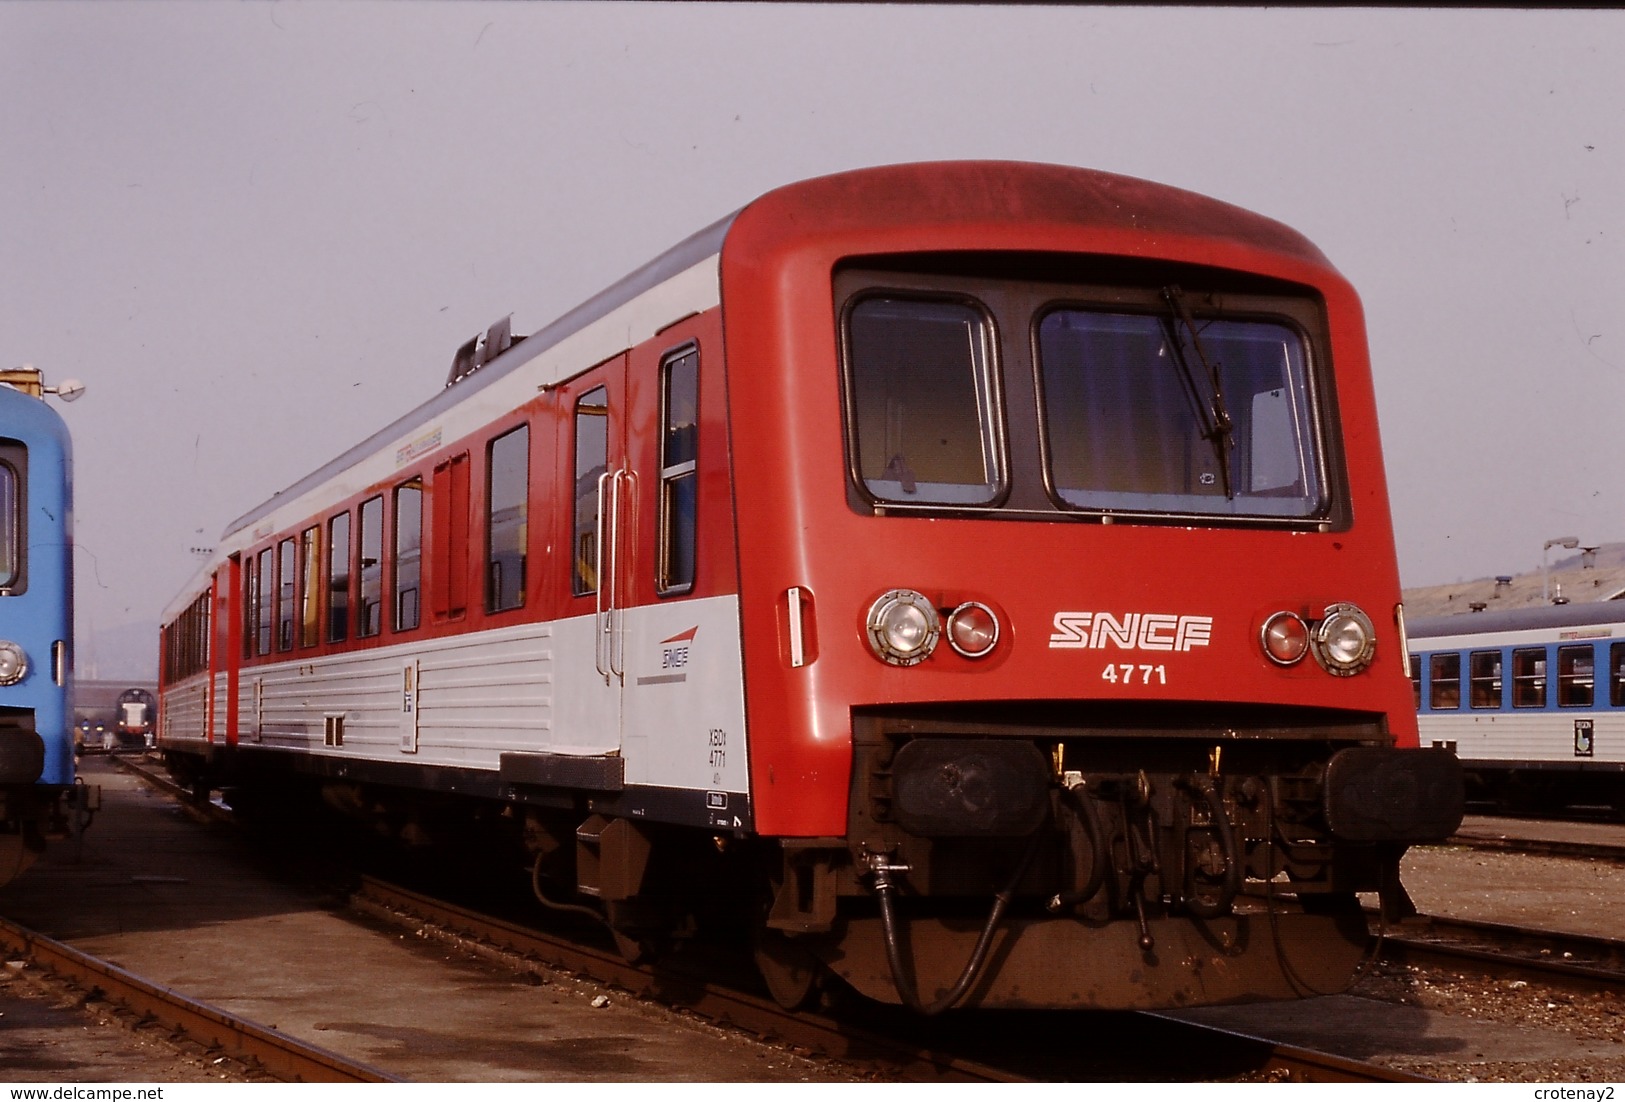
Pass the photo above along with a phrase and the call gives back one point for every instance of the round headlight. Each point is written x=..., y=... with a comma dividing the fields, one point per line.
x=903, y=627
x=13, y=662
x=1285, y=638
x=973, y=630
x=1344, y=640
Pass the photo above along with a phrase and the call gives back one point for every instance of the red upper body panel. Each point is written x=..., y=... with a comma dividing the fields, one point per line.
x=797, y=527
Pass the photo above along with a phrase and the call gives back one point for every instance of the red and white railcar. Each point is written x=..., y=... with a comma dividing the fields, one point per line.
x=978, y=575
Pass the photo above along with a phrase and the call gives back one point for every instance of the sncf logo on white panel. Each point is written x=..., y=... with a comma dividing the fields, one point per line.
x=1134, y=631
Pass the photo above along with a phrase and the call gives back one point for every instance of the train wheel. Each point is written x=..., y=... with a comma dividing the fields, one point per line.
x=16, y=854
x=789, y=968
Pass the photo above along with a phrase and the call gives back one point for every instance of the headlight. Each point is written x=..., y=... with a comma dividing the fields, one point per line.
x=903, y=627
x=13, y=662
x=1344, y=640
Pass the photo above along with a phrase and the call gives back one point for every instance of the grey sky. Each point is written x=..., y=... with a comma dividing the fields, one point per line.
x=258, y=231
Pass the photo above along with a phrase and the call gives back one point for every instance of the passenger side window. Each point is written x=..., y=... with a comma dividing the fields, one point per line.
x=251, y=605
x=371, y=568
x=507, y=495
x=287, y=569
x=1616, y=674
x=1529, y=678
x=1576, y=676
x=408, y=553
x=338, y=578
x=310, y=612
x=1445, y=674
x=1484, y=676
x=265, y=579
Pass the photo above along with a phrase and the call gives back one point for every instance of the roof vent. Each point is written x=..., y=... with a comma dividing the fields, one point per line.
x=481, y=349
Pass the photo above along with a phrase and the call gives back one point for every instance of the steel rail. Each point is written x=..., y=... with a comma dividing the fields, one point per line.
x=276, y=1053
x=1540, y=847
x=1574, y=961
x=815, y=1032
x=510, y=943
x=762, y=1017
x=1291, y=1063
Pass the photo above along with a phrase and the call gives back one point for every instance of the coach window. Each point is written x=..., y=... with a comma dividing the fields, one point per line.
x=1484, y=678
x=338, y=578
x=1444, y=671
x=251, y=604
x=408, y=553
x=1529, y=678
x=287, y=575
x=1616, y=675
x=924, y=418
x=265, y=579
x=507, y=495
x=310, y=613
x=591, y=462
x=679, y=440
x=1413, y=666
x=1576, y=676
x=370, y=567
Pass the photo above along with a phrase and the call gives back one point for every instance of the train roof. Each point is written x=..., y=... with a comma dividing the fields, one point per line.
x=990, y=191
x=1490, y=624
x=691, y=251
x=30, y=419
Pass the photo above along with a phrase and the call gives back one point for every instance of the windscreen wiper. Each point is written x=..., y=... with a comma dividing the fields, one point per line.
x=1217, y=427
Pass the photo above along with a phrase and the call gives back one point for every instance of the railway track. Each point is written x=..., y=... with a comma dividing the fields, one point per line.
x=1540, y=847
x=1574, y=962
x=964, y=1046
x=267, y=1051
x=903, y=1044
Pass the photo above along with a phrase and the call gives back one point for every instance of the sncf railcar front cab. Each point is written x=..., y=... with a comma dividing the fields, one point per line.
x=1071, y=615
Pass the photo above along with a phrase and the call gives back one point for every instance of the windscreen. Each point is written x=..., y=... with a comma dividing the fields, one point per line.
x=1156, y=414
x=922, y=398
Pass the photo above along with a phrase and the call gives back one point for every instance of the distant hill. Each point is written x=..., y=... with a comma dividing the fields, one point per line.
x=1575, y=578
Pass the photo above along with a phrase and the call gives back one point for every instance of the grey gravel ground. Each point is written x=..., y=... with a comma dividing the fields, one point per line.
x=1560, y=893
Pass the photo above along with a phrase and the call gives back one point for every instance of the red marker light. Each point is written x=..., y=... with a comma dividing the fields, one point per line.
x=1285, y=638
x=973, y=630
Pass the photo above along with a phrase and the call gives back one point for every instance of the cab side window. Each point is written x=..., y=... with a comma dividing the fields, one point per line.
x=679, y=452
x=591, y=463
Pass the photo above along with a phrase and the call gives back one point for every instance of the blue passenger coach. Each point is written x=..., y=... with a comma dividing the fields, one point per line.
x=1531, y=700
x=38, y=790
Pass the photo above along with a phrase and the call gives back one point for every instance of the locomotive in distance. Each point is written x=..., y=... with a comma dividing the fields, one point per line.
x=1531, y=700
x=40, y=796
x=976, y=578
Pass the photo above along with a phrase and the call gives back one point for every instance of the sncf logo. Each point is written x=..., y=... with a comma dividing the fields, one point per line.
x=1135, y=631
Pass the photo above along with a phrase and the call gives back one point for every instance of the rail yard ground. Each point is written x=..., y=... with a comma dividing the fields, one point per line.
x=185, y=904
